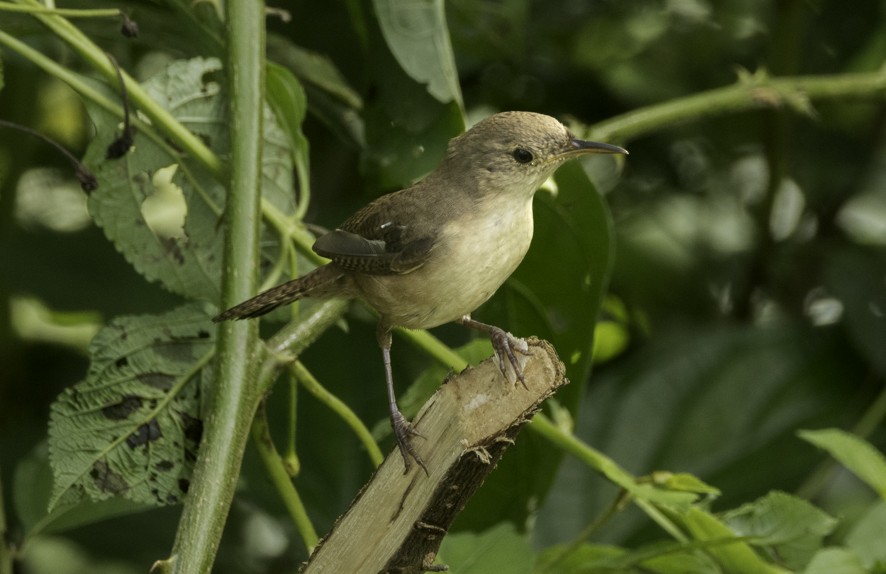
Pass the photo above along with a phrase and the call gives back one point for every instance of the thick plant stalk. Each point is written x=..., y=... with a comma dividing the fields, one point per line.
x=234, y=396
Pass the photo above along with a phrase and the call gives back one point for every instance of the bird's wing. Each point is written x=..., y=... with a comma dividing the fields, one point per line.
x=376, y=241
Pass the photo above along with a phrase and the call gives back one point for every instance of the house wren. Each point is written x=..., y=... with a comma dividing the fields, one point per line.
x=434, y=252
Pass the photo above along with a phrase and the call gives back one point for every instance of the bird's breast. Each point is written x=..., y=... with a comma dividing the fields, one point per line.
x=474, y=254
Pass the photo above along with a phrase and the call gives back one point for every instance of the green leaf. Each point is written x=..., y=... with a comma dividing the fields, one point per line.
x=789, y=527
x=684, y=482
x=287, y=98
x=314, y=69
x=866, y=538
x=657, y=557
x=499, y=549
x=417, y=35
x=857, y=455
x=565, y=560
x=132, y=428
x=183, y=251
x=835, y=561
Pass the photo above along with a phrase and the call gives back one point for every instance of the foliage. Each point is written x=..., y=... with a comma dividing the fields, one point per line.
x=726, y=281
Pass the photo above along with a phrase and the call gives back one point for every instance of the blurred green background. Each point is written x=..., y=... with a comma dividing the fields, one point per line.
x=747, y=299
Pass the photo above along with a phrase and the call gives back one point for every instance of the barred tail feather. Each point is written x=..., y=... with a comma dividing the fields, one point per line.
x=323, y=281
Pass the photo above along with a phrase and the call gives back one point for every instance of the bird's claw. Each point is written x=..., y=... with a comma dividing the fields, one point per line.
x=505, y=346
x=404, y=433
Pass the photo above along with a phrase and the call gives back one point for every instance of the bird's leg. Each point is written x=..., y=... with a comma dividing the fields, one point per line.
x=403, y=430
x=504, y=345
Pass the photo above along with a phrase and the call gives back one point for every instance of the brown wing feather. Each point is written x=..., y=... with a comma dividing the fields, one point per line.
x=379, y=239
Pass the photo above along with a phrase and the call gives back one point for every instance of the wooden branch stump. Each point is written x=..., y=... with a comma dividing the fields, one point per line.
x=398, y=521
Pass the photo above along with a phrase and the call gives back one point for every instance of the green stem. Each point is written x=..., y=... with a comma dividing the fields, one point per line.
x=240, y=353
x=290, y=456
x=754, y=93
x=593, y=458
x=313, y=386
x=280, y=478
x=65, y=12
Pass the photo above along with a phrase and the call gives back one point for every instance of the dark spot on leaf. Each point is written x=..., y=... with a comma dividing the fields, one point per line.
x=171, y=499
x=171, y=246
x=201, y=334
x=162, y=381
x=121, y=362
x=164, y=465
x=146, y=433
x=106, y=479
x=193, y=428
x=121, y=410
x=184, y=484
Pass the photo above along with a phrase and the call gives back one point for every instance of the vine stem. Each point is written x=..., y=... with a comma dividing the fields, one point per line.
x=751, y=92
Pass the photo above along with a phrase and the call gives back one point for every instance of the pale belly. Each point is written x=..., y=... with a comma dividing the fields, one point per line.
x=463, y=271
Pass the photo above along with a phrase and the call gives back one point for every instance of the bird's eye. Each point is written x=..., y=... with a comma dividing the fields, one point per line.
x=523, y=155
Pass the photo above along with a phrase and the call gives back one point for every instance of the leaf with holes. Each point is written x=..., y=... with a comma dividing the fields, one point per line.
x=160, y=208
x=132, y=427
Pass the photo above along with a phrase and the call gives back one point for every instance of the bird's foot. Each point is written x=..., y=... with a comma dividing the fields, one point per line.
x=404, y=433
x=506, y=348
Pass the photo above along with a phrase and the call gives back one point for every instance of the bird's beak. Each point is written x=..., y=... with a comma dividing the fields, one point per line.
x=582, y=147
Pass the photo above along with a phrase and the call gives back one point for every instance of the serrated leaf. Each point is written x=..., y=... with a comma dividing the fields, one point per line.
x=187, y=259
x=132, y=427
x=790, y=526
x=32, y=487
x=859, y=456
x=416, y=33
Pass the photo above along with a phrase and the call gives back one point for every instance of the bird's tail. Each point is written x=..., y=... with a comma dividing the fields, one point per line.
x=323, y=281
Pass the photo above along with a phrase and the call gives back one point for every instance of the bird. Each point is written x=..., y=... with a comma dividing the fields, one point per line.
x=432, y=253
